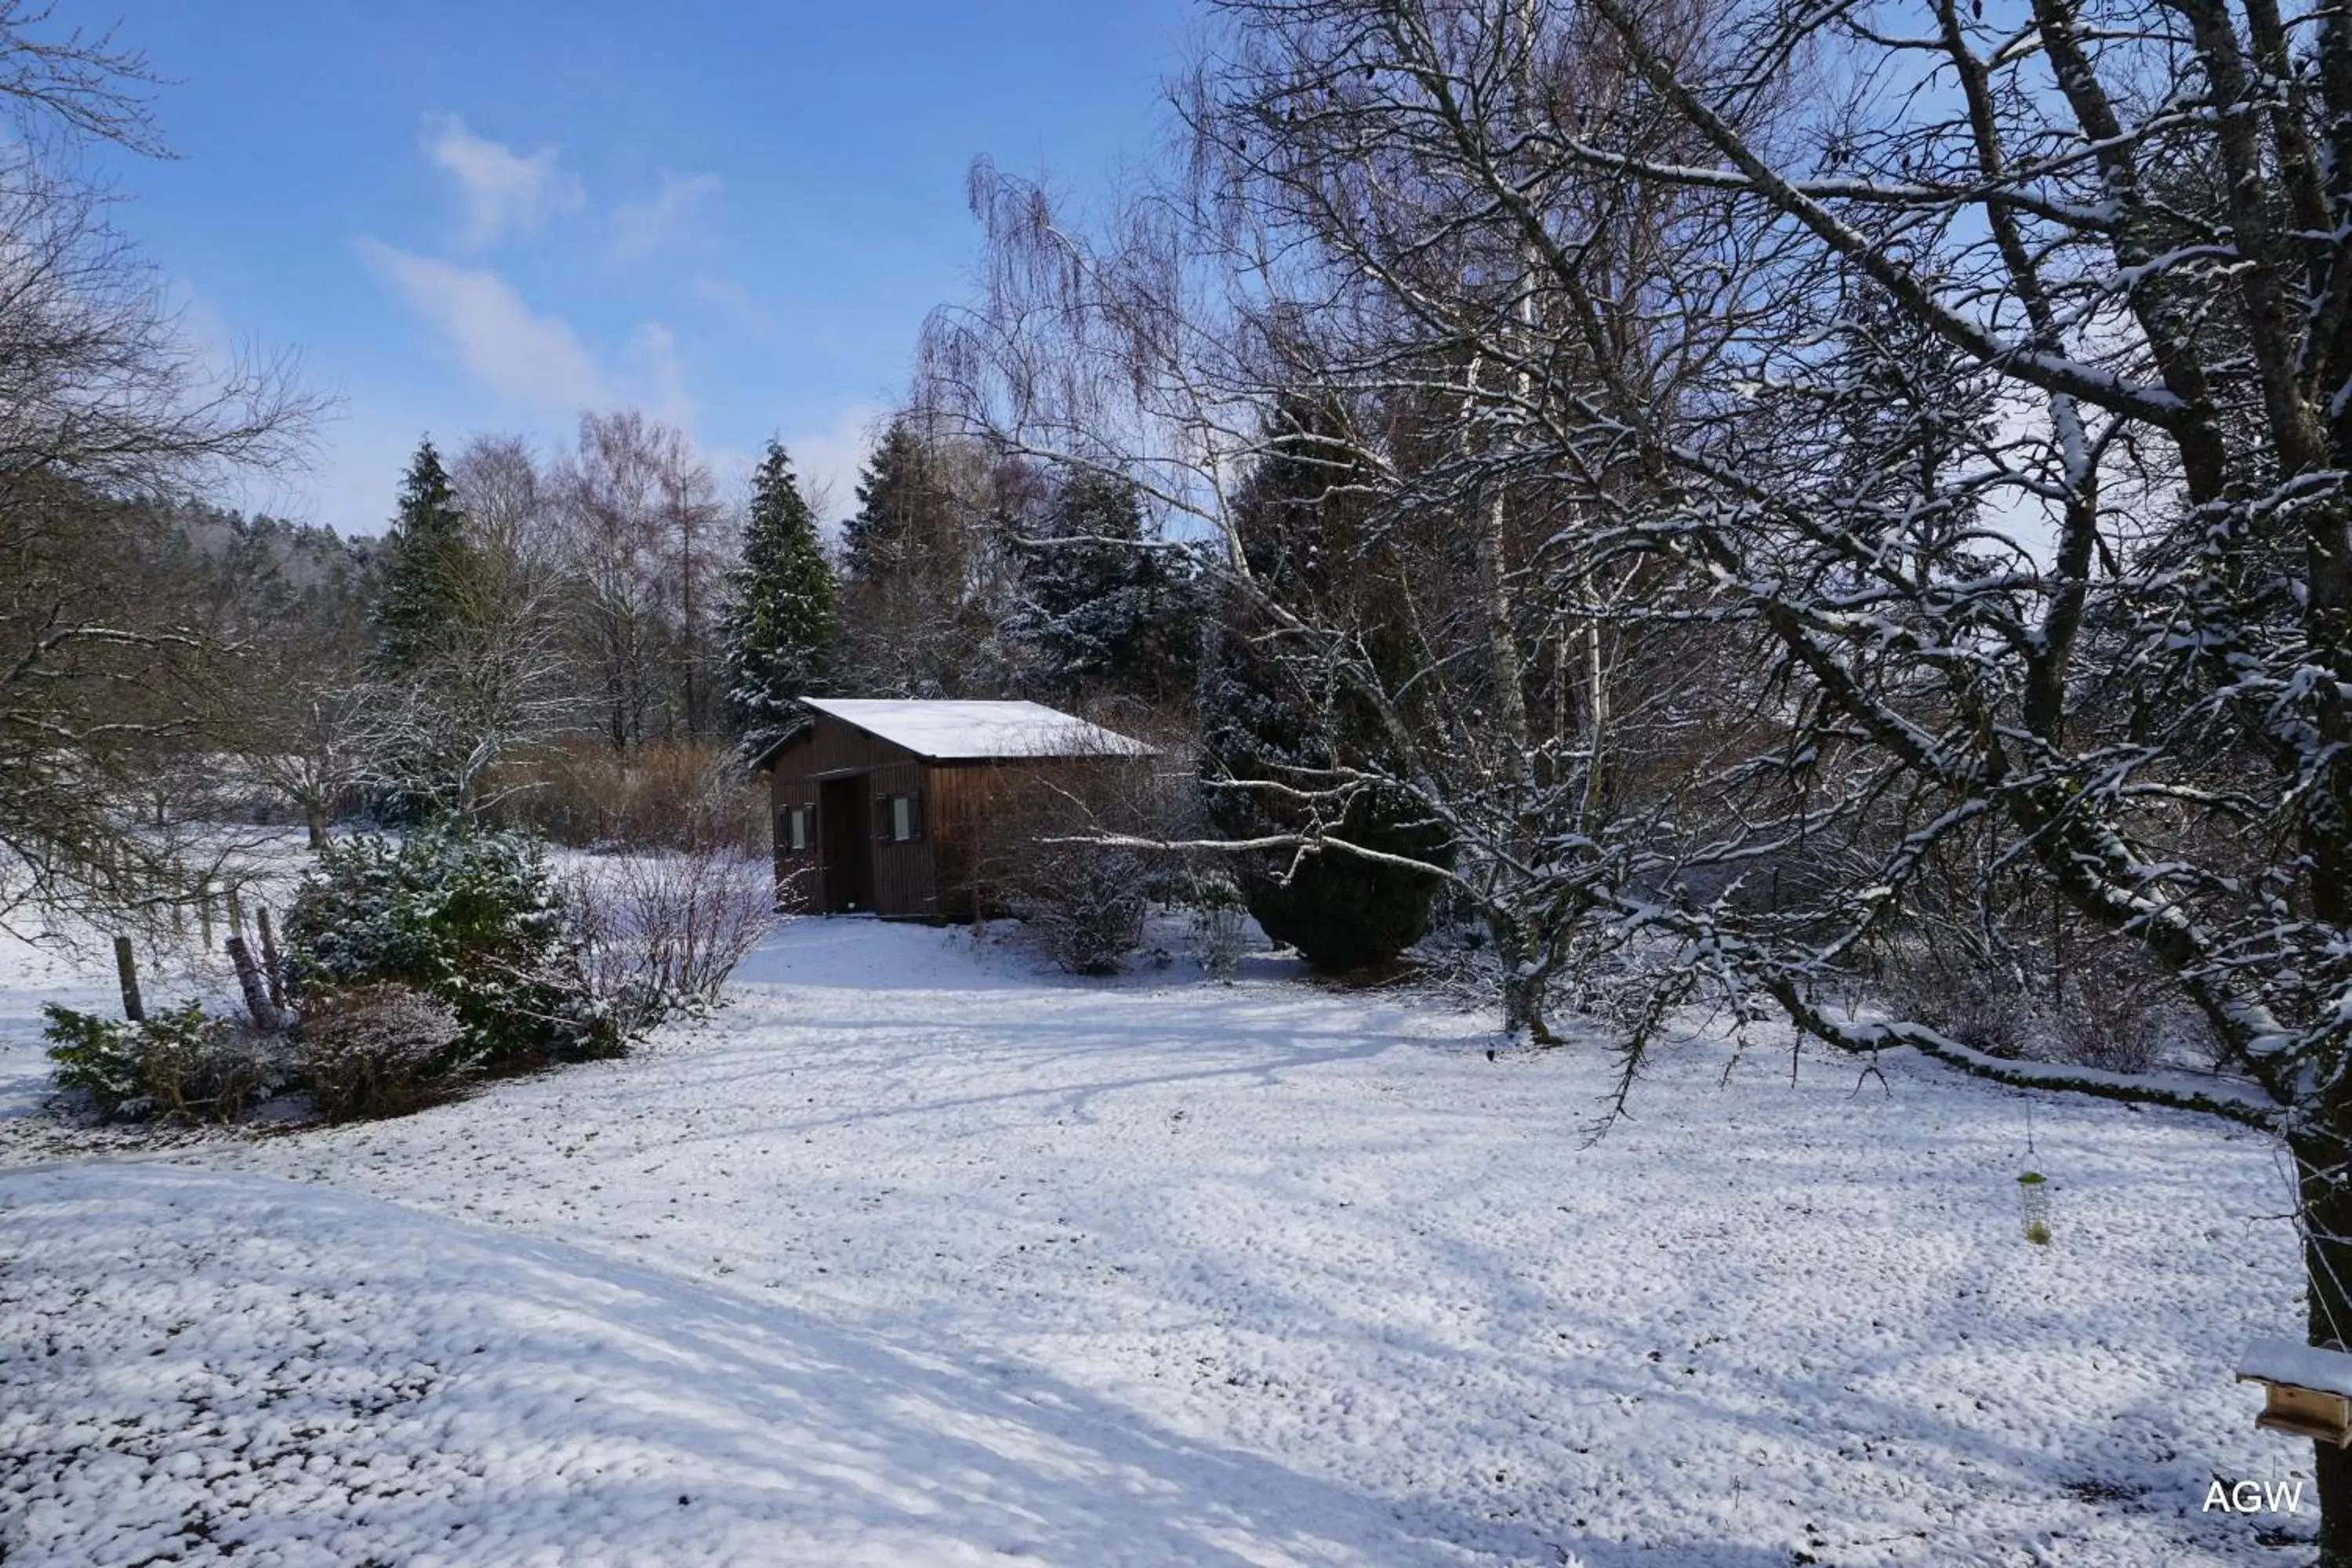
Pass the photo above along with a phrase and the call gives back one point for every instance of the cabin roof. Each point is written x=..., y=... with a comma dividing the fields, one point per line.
x=947, y=731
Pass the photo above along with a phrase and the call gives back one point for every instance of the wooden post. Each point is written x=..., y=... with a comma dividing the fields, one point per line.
x=269, y=966
x=126, y=969
x=256, y=991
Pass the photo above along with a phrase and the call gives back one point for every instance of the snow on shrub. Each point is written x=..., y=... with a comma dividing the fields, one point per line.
x=1049, y=851
x=476, y=921
x=1218, y=925
x=182, y=1065
x=381, y=1049
x=661, y=932
x=1085, y=902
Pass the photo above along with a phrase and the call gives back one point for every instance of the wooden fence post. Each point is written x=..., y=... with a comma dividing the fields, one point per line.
x=256, y=991
x=126, y=969
x=270, y=970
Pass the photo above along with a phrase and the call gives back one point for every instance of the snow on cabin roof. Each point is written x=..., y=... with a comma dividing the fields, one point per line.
x=945, y=732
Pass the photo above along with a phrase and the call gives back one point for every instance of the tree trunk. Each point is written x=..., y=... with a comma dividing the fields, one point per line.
x=1524, y=981
x=314, y=820
x=2323, y=1155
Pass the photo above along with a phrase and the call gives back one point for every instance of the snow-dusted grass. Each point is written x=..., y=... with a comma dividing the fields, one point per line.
x=917, y=1254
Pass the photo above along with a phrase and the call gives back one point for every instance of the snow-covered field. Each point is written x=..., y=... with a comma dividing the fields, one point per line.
x=916, y=1255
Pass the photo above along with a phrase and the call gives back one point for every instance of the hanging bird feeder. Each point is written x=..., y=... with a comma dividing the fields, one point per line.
x=2033, y=1198
x=2309, y=1389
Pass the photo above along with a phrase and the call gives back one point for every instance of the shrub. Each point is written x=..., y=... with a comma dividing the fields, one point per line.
x=661, y=932
x=381, y=1049
x=182, y=1065
x=1086, y=904
x=477, y=921
x=1342, y=911
x=1218, y=925
x=664, y=795
x=1043, y=853
x=99, y=1057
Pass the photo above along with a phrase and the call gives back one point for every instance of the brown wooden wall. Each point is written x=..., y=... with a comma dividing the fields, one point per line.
x=927, y=879
x=906, y=881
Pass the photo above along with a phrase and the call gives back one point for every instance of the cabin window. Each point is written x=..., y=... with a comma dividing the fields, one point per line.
x=898, y=818
x=797, y=827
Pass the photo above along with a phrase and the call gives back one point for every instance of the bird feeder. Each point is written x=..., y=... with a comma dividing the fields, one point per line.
x=2033, y=1198
x=2309, y=1389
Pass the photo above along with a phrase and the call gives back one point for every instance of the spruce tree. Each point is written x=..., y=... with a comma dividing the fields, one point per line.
x=903, y=520
x=919, y=606
x=426, y=563
x=1100, y=610
x=778, y=629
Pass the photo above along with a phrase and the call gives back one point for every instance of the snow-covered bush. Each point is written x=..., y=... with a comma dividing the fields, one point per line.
x=477, y=921
x=1219, y=923
x=382, y=1049
x=660, y=934
x=182, y=1065
x=96, y=1057
x=1058, y=849
x=1085, y=902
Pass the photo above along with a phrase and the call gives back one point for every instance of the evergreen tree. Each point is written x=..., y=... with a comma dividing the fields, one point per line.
x=1274, y=714
x=426, y=563
x=1099, y=609
x=778, y=632
x=899, y=499
x=922, y=579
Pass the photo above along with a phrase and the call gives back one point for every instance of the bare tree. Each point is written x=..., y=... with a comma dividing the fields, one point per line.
x=1339, y=295
x=102, y=399
x=1961, y=391
x=1937, y=412
x=647, y=544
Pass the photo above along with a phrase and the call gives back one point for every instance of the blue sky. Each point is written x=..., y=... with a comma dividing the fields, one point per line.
x=485, y=217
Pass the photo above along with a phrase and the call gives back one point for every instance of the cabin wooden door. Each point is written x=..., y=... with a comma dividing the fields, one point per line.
x=844, y=823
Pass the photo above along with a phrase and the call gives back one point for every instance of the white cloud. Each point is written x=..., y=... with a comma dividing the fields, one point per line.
x=531, y=359
x=657, y=374
x=503, y=191
x=641, y=229
x=730, y=298
x=827, y=460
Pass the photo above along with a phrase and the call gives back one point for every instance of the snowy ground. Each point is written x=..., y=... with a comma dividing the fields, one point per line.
x=915, y=1255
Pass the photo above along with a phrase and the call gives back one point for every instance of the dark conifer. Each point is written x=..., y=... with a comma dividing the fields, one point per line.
x=426, y=562
x=778, y=630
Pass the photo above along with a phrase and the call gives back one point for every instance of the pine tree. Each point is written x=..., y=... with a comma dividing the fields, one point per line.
x=1100, y=610
x=778, y=631
x=428, y=561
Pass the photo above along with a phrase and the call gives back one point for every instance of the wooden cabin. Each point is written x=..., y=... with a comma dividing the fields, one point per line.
x=876, y=804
